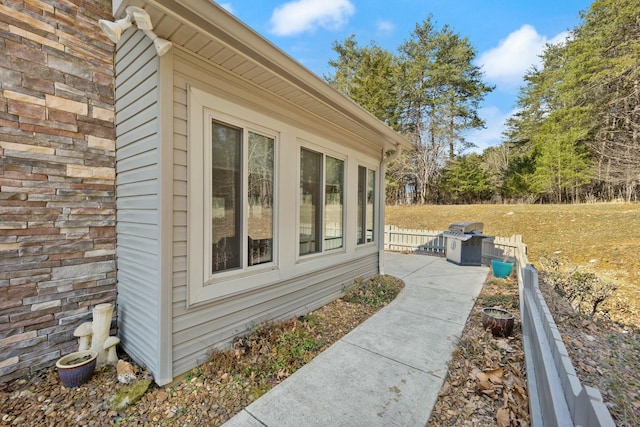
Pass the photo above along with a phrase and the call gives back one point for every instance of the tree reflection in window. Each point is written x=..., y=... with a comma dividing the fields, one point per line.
x=260, y=197
x=228, y=201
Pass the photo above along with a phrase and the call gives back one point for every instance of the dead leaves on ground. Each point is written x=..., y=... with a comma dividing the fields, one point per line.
x=486, y=383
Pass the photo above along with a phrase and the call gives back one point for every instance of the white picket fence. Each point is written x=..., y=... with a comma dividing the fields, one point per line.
x=434, y=242
x=556, y=395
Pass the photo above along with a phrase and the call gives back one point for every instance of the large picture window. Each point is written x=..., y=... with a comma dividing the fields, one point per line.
x=321, y=202
x=366, y=200
x=242, y=184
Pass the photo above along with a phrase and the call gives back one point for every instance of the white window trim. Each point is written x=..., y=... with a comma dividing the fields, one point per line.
x=202, y=285
x=376, y=205
x=324, y=151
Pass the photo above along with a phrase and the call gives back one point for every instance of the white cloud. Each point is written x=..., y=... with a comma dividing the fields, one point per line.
x=492, y=134
x=385, y=26
x=227, y=6
x=507, y=63
x=306, y=15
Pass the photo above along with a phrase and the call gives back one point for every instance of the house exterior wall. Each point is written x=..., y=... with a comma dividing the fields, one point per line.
x=304, y=285
x=57, y=174
x=139, y=194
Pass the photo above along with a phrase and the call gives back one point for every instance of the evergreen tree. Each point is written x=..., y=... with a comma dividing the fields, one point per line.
x=465, y=181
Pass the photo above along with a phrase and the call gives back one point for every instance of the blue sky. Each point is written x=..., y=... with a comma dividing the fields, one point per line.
x=508, y=35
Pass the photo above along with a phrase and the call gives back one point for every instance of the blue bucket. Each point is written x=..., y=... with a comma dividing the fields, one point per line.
x=501, y=269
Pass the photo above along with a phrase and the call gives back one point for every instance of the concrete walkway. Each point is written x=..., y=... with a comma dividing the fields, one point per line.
x=389, y=370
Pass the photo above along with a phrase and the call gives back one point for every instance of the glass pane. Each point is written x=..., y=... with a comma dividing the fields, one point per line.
x=371, y=196
x=225, y=197
x=310, y=201
x=362, y=194
x=333, y=204
x=260, y=197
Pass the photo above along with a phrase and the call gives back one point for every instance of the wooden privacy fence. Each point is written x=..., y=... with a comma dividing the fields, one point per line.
x=556, y=395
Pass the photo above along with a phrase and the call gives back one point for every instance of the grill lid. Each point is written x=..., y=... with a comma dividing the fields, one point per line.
x=466, y=227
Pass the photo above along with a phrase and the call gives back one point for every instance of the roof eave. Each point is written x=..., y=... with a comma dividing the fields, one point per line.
x=216, y=22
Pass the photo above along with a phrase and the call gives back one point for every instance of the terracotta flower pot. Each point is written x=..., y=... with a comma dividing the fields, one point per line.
x=76, y=368
x=499, y=321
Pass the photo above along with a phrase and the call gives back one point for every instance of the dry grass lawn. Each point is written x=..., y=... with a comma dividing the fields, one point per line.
x=602, y=237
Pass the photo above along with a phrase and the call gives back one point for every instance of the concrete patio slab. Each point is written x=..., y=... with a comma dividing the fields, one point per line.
x=389, y=370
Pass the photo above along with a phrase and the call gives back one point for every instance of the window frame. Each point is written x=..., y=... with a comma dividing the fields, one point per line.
x=203, y=284
x=363, y=198
x=324, y=152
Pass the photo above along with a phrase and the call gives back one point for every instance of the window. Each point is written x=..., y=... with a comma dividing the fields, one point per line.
x=232, y=198
x=321, y=202
x=366, y=200
x=241, y=198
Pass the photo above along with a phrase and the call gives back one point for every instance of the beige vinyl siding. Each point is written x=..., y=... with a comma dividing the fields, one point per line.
x=137, y=188
x=199, y=328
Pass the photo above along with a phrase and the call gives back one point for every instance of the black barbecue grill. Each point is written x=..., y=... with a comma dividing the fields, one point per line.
x=464, y=243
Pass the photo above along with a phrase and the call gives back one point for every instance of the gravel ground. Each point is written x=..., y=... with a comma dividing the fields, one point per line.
x=207, y=396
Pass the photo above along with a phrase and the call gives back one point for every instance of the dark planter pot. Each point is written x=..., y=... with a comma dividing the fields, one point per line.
x=499, y=321
x=501, y=269
x=76, y=368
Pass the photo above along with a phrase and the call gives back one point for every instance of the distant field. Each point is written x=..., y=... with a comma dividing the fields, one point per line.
x=604, y=237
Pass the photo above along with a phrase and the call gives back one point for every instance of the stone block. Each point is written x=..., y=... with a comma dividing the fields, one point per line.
x=106, y=282
x=13, y=78
x=103, y=114
x=67, y=66
x=26, y=148
x=36, y=38
x=9, y=362
x=74, y=317
x=7, y=303
x=26, y=110
x=10, y=330
x=102, y=232
x=15, y=339
x=107, y=144
x=23, y=98
x=31, y=345
x=104, y=297
x=21, y=291
x=24, y=51
x=23, y=273
x=42, y=360
x=64, y=117
x=30, y=279
x=61, y=337
x=28, y=323
x=59, y=103
x=82, y=270
x=46, y=305
x=10, y=371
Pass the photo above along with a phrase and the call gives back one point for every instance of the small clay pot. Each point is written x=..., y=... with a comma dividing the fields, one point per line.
x=499, y=321
x=76, y=368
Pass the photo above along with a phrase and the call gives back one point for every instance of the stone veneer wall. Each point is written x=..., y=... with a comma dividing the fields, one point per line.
x=57, y=177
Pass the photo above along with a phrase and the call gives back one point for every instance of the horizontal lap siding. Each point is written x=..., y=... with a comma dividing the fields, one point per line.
x=137, y=198
x=199, y=329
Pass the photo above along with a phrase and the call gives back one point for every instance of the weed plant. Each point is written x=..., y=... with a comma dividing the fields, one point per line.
x=375, y=292
x=272, y=351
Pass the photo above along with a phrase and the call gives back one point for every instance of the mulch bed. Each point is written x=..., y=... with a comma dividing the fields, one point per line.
x=486, y=382
x=208, y=395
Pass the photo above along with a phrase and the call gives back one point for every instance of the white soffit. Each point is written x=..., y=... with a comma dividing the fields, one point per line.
x=209, y=31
